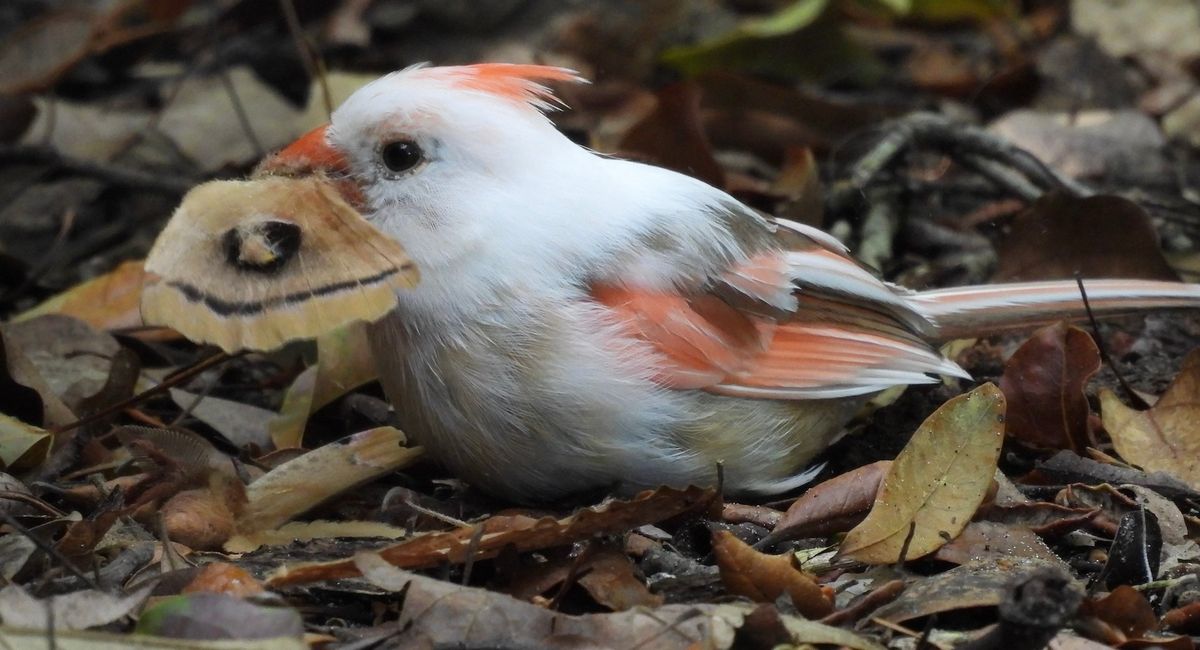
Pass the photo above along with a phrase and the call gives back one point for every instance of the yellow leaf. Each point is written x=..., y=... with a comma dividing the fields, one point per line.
x=21, y=444
x=108, y=302
x=936, y=483
x=1164, y=438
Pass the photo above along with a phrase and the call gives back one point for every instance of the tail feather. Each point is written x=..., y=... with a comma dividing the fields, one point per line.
x=971, y=311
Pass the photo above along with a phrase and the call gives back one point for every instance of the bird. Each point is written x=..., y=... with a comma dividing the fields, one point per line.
x=588, y=322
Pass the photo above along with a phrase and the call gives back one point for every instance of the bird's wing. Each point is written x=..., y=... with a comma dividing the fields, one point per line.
x=797, y=322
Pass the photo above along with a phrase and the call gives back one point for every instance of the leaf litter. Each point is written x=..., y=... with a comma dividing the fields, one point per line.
x=267, y=500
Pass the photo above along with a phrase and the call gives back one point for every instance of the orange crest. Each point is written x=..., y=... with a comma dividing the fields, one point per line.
x=514, y=81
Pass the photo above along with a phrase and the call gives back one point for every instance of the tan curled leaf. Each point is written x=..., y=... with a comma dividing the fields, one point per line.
x=325, y=472
x=108, y=302
x=1164, y=438
x=763, y=578
x=21, y=444
x=1043, y=383
x=936, y=483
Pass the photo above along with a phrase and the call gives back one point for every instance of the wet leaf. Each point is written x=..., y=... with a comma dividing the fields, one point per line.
x=834, y=506
x=1100, y=236
x=527, y=534
x=936, y=483
x=1043, y=384
x=1165, y=437
x=763, y=578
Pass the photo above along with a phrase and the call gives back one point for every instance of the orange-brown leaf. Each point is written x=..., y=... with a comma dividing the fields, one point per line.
x=763, y=578
x=834, y=506
x=1043, y=382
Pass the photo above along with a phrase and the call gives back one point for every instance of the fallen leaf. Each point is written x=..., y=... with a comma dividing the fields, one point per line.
x=611, y=580
x=1101, y=236
x=74, y=359
x=1140, y=27
x=243, y=425
x=1124, y=608
x=989, y=541
x=37, y=54
x=1046, y=519
x=303, y=531
x=1164, y=438
x=290, y=489
x=78, y=610
x=432, y=549
x=978, y=584
x=438, y=613
x=21, y=445
x=204, y=616
x=835, y=506
x=106, y=302
x=35, y=639
x=936, y=483
x=1043, y=384
x=763, y=578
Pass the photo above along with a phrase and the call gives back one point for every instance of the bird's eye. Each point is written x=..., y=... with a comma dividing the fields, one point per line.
x=400, y=155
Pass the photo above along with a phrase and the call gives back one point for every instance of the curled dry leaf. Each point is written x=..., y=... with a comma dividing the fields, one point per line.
x=224, y=578
x=21, y=445
x=107, y=302
x=763, y=578
x=936, y=483
x=74, y=611
x=1043, y=384
x=532, y=534
x=290, y=489
x=834, y=506
x=1164, y=438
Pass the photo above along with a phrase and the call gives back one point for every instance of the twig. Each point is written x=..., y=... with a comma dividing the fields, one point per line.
x=886, y=593
x=170, y=382
x=33, y=501
x=1087, y=307
x=573, y=574
x=308, y=56
x=240, y=111
x=49, y=549
x=472, y=550
x=109, y=172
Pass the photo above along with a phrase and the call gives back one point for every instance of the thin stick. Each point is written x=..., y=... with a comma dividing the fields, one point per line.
x=170, y=382
x=312, y=63
x=49, y=549
x=1087, y=307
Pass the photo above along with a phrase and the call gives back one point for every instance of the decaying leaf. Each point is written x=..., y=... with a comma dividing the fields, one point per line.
x=294, y=487
x=438, y=612
x=1043, y=384
x=530, y=534
x=763, y=578
x=833, y=506
x=936, y=483
x=1164, y=438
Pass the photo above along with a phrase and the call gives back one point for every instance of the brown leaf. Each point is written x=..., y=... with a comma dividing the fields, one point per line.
x=1126, y=609
x=673, y=137
x=1165, y=437
x=978, y=584
x=612, y=581
x=986, y=540
x=1102, y=236
x=1043, y=383
x=936, y=483
x=1043, y=518
x=763, y=578
x=107, y=302
x=436, y=548
x=224, y=578
x=835, y=506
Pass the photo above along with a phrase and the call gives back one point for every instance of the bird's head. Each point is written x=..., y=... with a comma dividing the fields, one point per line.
x=444, y=159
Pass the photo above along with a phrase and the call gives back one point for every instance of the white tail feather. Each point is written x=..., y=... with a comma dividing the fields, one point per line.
x=971, y=311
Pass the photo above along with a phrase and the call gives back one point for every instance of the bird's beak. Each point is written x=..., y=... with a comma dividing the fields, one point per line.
x=312, y=155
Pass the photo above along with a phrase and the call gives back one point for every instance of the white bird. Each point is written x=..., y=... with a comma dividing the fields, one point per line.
x=584, y=321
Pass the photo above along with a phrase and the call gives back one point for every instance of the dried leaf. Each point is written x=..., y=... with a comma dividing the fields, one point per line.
x=74, y=611
x=1164, y=438
x=611, y=580
x=36, y=639
x=936, y=483
x=763, y=578
x=978, y=584
x=202, y=616
x=1126, y=609
x=671, y=136
x=303, y=531
x=243, y=425
x=990, y=541
x=107, y=302
x=21, y=445
x=290, y=489
x=433, y=549
x=438, y=613
x=1043, y=384
x=1099, y=236
x=834, y=506
x=224, y=578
